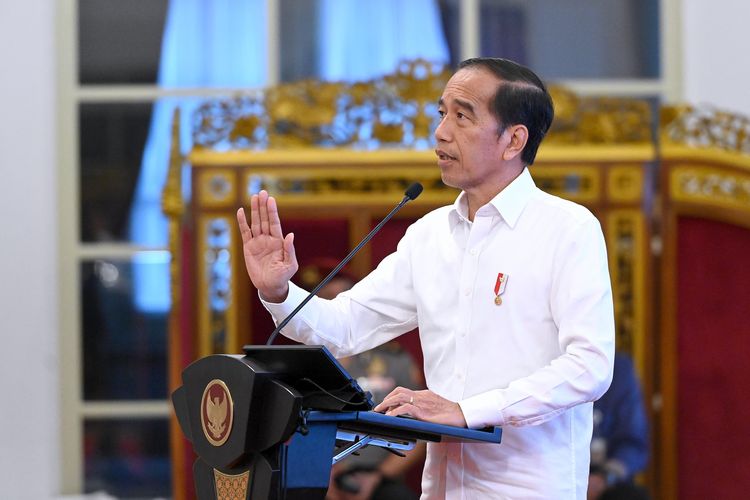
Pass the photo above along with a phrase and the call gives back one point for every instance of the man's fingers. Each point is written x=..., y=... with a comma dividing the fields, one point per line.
x=274, y=221
x=264, y=216
x=263, y=204
x=405, y=409
x=255, y=215
x=397, y=397
x=244, y=228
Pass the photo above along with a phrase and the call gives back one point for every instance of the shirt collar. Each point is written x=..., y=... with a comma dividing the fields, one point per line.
x=508, y=203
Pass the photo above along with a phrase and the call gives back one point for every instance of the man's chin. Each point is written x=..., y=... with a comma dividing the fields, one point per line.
x=448, y=180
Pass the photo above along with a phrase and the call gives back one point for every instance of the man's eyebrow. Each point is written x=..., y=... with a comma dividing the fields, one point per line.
x=465, y=104
x=460, y=103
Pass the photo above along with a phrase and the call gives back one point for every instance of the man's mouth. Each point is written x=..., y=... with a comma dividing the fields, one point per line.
x=442, y=155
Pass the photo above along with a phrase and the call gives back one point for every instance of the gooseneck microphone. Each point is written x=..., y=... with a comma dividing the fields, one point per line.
x=414, y=190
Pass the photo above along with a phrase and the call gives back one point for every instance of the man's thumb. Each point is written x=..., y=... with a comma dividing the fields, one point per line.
x=289, y=253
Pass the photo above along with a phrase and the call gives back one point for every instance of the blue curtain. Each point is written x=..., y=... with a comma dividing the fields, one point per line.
x=363, y=39
x=206, y=43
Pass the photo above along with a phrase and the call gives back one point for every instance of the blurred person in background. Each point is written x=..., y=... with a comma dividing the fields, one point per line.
x=620, y=444
x=373, y=473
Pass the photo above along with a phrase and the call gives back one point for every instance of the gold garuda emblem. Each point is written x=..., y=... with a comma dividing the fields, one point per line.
x=217, y=410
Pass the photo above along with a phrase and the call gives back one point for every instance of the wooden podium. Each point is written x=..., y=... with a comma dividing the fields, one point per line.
x=270, y=424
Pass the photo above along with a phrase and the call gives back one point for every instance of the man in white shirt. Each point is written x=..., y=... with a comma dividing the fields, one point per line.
x=509, y=288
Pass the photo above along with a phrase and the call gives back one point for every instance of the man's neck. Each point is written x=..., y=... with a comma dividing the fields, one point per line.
x=481, y=195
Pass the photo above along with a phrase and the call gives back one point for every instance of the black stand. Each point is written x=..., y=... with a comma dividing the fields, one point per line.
x=266, y=425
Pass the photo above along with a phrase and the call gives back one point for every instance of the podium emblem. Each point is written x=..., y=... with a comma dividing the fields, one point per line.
x=217, y=410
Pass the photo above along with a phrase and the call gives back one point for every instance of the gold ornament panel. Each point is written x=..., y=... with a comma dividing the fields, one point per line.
x=706, y=127
x=625, y=183
x=710, y=185
x=294, y=187
x=216, y=188
x=231, y=487
x=217, y=304
x=626, y=244
x=396, y=110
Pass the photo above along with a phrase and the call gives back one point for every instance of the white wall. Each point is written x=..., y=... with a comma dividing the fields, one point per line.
x=29, y=417
x=716, y=59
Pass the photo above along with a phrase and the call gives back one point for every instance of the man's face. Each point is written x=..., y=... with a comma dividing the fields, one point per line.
x=469, y=148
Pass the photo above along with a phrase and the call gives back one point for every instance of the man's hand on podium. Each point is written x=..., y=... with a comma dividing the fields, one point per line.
x=423, y=405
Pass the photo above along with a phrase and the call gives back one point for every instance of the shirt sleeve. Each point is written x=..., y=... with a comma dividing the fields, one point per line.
x=581, y=306
x=377, y=309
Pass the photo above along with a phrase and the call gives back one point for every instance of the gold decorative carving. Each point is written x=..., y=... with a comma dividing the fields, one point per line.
x=173, y=206
x=706, y=127
x=231, y=487
x=625, y=183
x=626, y=245
x=294, y=186
x=217, y=328
x=397, y=110
x=216, y=187
x=598, y=120
x=580, y=184
x=710, y=185
x=345, y=186
x=171, y=201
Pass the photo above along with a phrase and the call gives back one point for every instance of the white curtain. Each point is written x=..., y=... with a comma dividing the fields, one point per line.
x=364, y=39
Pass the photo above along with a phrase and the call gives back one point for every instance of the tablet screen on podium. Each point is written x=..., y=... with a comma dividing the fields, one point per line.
x=315, y=373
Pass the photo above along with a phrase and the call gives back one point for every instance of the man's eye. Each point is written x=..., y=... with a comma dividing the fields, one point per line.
x=460, y=116
x=441, y=113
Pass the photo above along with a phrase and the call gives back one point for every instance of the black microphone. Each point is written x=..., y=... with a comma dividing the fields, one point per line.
x=414, y=190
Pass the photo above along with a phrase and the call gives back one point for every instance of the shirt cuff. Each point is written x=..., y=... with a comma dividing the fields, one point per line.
x=483, y=410
x=281, y=310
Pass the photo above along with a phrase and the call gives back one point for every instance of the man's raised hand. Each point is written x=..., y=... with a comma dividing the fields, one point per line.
x=269, y=256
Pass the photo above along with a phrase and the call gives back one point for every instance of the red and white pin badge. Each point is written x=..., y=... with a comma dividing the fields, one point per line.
x=502, y=280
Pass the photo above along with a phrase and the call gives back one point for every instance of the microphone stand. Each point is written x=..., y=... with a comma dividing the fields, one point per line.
x=411, y=193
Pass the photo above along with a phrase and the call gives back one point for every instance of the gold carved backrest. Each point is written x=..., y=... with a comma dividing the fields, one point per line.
x=395, y=110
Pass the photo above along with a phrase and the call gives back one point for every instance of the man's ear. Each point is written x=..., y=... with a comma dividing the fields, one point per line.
x=518, y=135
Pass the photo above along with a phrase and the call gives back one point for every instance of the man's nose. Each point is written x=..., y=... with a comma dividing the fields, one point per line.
x=442, y=131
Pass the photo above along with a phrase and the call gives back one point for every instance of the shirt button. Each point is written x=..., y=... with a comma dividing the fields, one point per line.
x=473, y=251
x=467, y=291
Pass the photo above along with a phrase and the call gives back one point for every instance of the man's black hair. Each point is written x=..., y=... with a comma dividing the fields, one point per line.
x=521, y=98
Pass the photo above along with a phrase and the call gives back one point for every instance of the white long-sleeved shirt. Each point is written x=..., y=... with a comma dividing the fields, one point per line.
x=533, y=364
